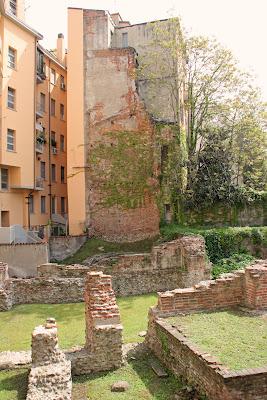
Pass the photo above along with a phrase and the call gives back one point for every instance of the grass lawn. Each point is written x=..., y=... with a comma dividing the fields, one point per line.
x=238, y=340
x=144, y=384
x=97, y=246
x=17, y=325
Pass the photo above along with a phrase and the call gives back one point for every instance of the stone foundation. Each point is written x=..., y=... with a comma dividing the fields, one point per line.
x=50, y=376
x=179, y=263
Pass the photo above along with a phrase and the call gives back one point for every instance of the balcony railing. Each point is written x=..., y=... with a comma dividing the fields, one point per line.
x=39, y=147
x=39, y=183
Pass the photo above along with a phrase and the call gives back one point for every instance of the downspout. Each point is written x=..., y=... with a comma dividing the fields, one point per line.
x=49, y=143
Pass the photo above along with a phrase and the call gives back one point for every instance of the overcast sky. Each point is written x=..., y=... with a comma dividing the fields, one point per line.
x=238, y=24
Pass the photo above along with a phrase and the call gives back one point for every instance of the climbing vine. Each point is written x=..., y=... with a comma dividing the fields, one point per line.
x=122, y=168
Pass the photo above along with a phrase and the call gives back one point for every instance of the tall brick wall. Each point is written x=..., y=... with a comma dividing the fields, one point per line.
x=256, y=286
x=120, y=196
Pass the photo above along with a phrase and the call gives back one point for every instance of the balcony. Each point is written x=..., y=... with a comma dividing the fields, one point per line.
x=39, y=147
x=54, y=151
x=39, y=183
x=39, y=110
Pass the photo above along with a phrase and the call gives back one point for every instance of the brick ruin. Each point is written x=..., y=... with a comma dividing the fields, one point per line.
x=245, y=289
x=50, y=375
x=180, y=263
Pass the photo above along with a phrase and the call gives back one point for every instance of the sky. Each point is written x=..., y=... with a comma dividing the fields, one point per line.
x=239, y=25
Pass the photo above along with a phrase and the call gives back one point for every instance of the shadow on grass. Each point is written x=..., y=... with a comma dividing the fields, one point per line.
x=13, y=383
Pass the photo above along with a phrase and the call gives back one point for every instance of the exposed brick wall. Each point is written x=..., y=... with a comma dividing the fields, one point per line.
x=200, y=369
x=115, y=107
x=103, y=337
x=243, y=288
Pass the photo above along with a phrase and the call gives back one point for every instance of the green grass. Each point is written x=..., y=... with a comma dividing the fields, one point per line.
x=238, y=340
x=97, y=246
x=13, y=384
x=17, y=325
x=144, y=384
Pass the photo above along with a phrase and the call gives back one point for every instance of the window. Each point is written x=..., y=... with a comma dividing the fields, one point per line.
x=53, y=205
x=62, y=111
x=42, y=102
x=10, y=144
x=4, y=178
x=62, y=143
x=13, y=6
x=125, y=39
x=11, y=95
x=40, y=64
x=53, y=139
x=42, y=169
x=11, y=59
x=53, y=172
x=62, y=174
x=31, y=204
x=43, y=204
x=53, y=76
x=63, y=205
x=62, y=82
x=53, y=107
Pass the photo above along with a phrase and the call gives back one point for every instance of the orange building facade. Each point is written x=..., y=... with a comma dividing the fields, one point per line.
x=33, y=131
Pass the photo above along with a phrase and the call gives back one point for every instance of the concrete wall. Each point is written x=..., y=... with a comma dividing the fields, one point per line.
x=61, y=247
x=23, y=259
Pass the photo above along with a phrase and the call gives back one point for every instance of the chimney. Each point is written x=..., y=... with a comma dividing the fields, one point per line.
x=60, y=48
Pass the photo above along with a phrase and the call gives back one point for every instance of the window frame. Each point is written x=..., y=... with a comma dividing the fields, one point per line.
x=53, y=76
x=12, y=63
x=11, y=133
x=62, y=174
x=11, y=92
x=53, y=107
x=53, y=173
x=43, y=170
x=13, y=7
x=43, y=205
x=62, y=114
x=1, y=179
x=62, y=143
x=31, y=204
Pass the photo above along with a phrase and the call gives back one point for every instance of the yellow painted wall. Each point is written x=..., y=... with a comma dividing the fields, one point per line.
x=76, y=151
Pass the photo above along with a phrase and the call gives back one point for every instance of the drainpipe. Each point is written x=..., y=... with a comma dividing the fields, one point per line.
x=49, y=143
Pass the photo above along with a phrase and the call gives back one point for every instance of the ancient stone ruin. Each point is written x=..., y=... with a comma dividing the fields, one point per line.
x=103, y=337
x=180, y=263
x=50, y=376
x=246, y=289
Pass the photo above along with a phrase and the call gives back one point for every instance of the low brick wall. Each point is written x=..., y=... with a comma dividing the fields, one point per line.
x=61, y=247
x=243, y=288
x=200, y=369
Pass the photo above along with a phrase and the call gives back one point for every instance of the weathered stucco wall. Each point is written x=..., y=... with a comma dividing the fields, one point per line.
x=23, y=259
x=61, y=247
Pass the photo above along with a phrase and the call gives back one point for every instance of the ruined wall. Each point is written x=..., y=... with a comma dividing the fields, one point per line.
x=119, y=137
x=242, y=288
x=200, y=369
x=179, y=263
x=50, y=375
x=61, y=247
x=103, y=335
x=23, y=259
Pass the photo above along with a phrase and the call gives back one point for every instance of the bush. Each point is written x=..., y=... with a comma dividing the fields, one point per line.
x=233, y=263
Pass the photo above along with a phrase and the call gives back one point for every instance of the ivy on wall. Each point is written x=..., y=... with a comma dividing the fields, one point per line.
x=121, y=165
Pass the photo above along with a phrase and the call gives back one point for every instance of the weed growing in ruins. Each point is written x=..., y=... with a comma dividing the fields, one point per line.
x=233, y=263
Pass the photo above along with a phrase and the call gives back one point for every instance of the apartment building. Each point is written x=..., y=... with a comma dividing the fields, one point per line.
x=32, y=124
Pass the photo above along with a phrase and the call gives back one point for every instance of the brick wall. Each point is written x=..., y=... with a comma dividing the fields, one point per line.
x=200, y=369
x=243, y=288
x=116, y=108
